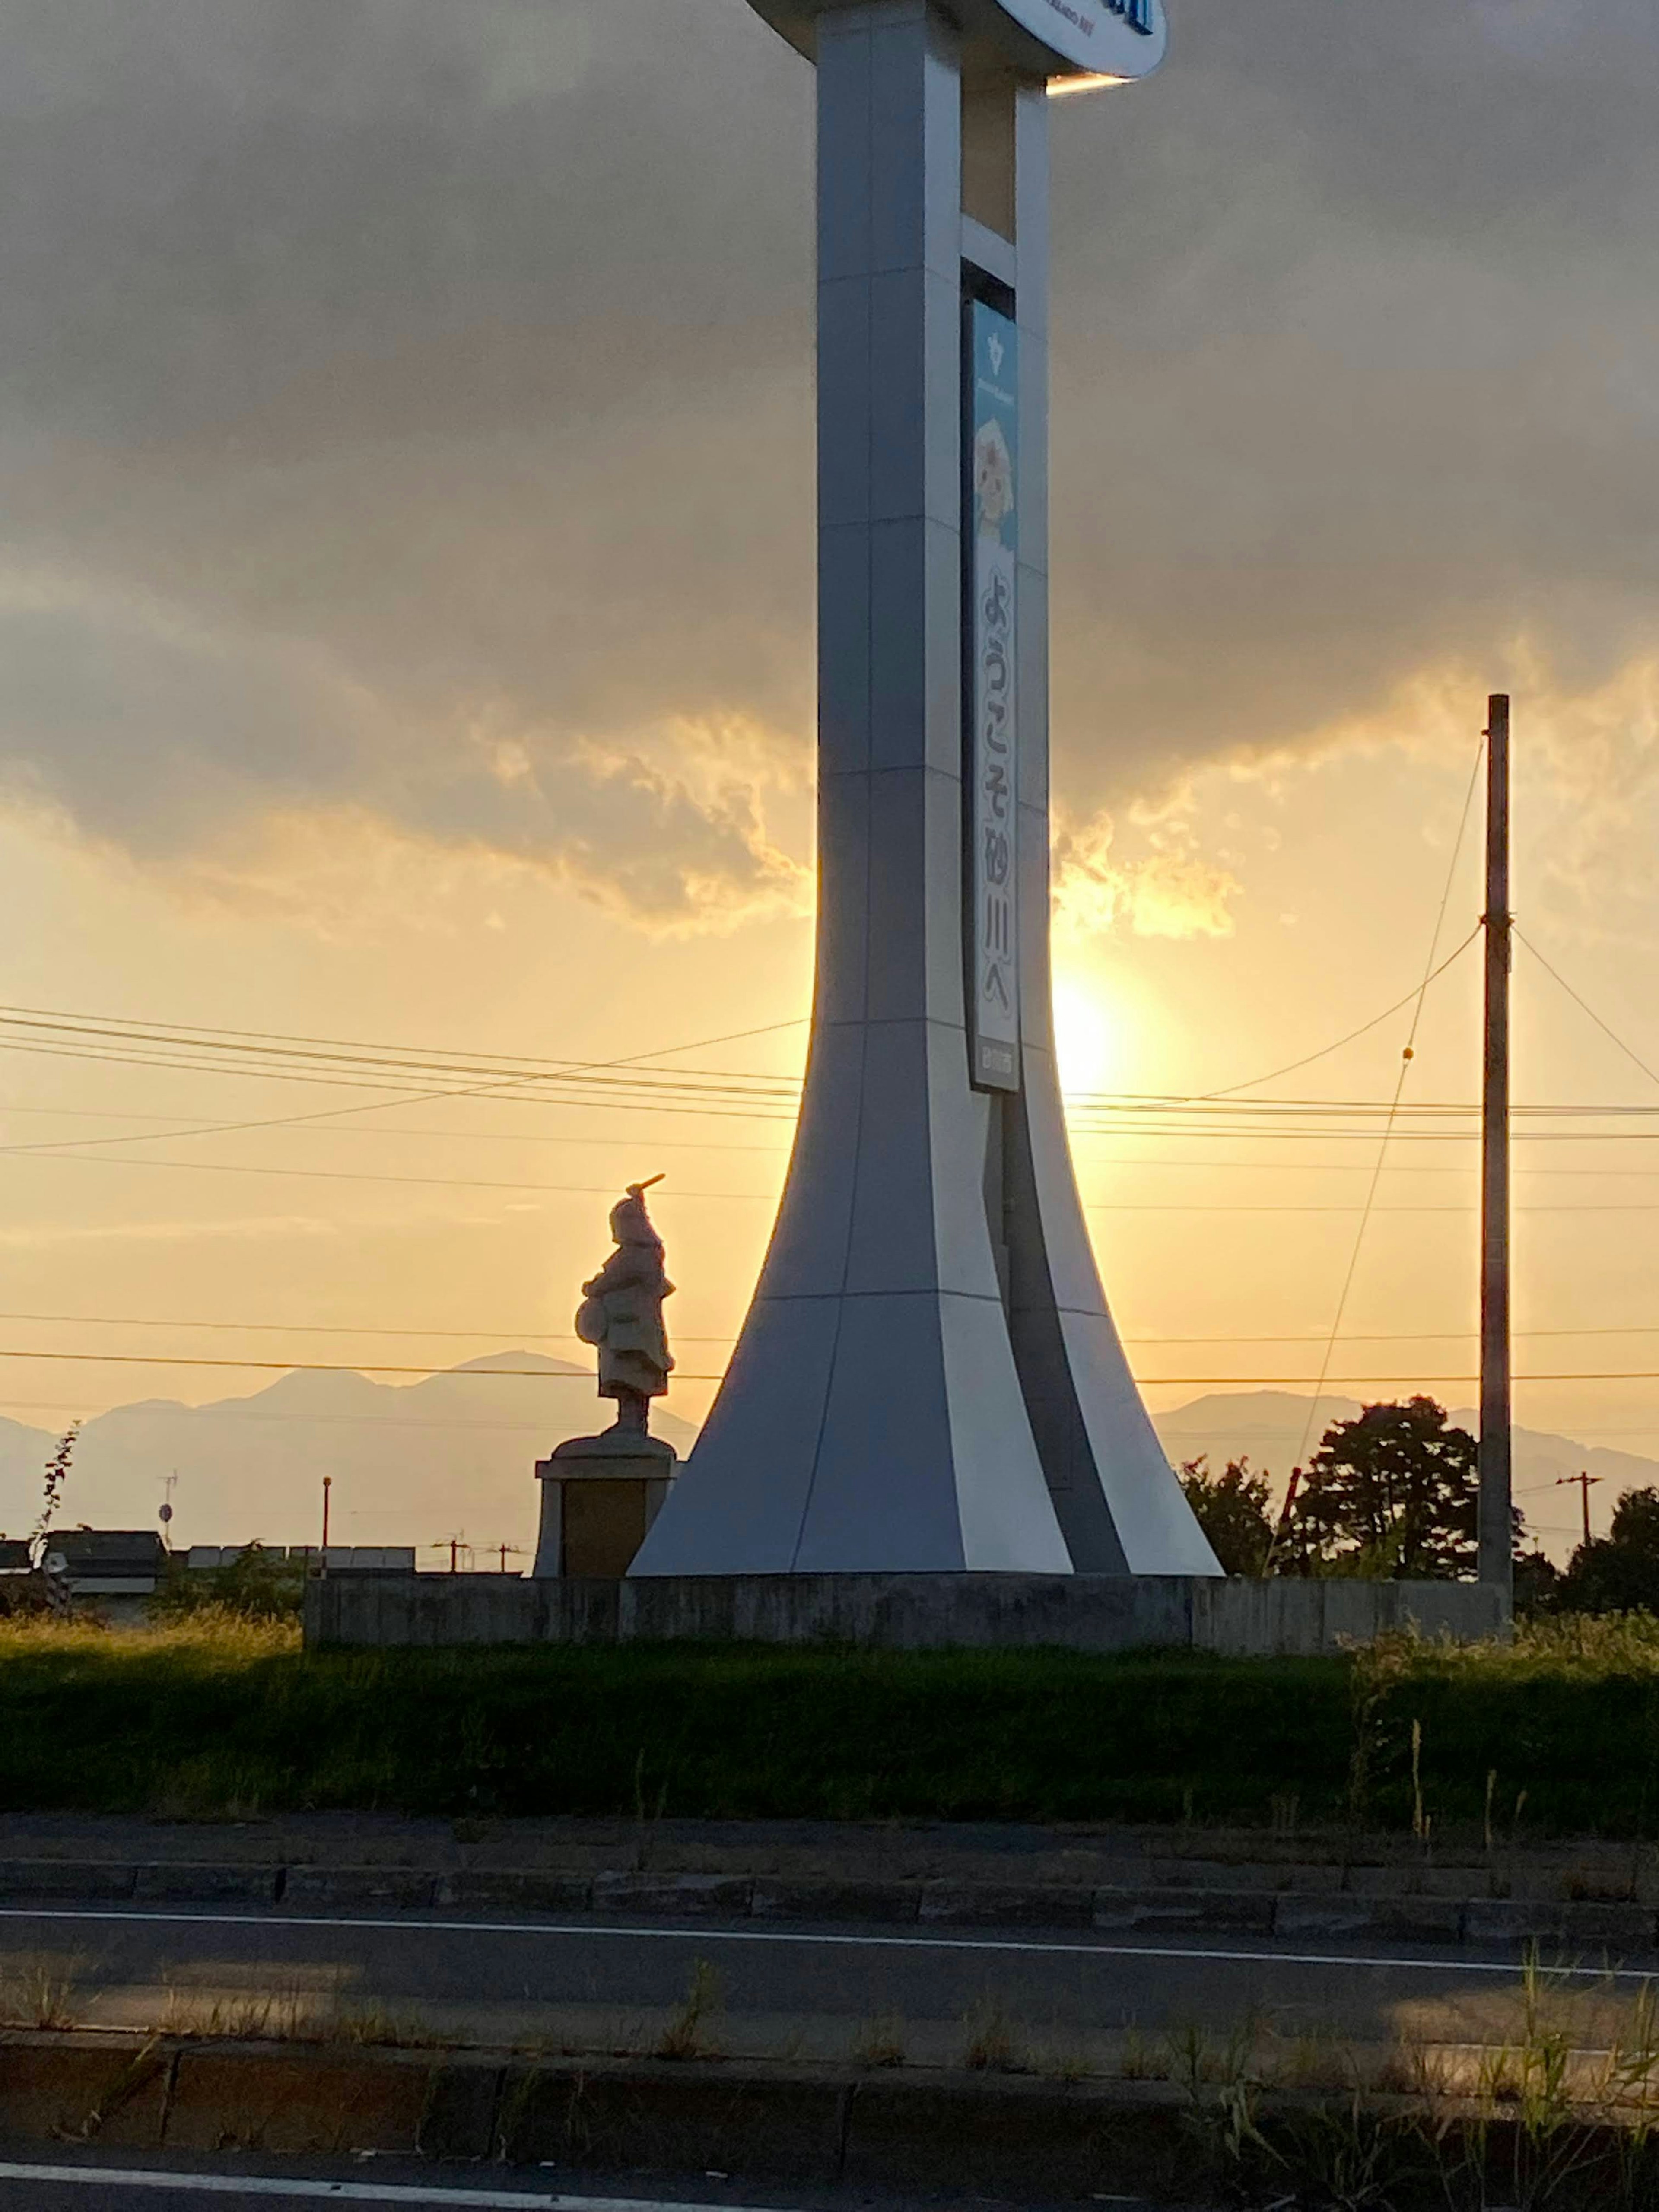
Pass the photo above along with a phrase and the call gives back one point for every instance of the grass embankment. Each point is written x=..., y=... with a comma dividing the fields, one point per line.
x=216, y=1716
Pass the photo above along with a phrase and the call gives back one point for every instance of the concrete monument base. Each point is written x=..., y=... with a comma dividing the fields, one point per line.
x=599, y=1497
x=1079, y=1612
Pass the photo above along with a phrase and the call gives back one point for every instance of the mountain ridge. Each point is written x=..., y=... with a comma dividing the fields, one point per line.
x=419, y=1461
x=410, y=1461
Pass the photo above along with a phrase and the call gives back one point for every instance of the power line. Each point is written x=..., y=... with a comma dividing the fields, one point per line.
x=325, y=1366
x=567, y=1074
x=219, y=1413
x=38, y=1154
x=1585, y=1007
x=426, y=1054
x=1155, y=1102
x=454, y=1136
x=331, y=1328
x=1430, y=971
x=366, y=1174
x=1295, y=1067
x=556, y=1336
x=576, y=1375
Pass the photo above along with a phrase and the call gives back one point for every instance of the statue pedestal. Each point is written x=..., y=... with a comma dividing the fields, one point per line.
x=600, y=1496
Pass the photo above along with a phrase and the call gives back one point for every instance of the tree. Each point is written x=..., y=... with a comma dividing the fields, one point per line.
x=1394, y=1494
x=257, y=1583
x=1618, y=1572
x=1231, y=1509
x=1540, y=1585
x=56, y=1473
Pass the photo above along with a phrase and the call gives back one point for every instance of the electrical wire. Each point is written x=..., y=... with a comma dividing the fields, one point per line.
x=325, y=1366
x=576, y=1375
x=769, y=1197
x=1585, y=1007
x=1407, y=1055
x=334, y=1328
x=425, y=1055
x=556, y=1336
x=1377, y=1021
x=368, y=1174
x=456, y=1136
x=566, y=1074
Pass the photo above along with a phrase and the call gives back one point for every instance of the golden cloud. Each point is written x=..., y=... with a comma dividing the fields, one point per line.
x=1171, y=892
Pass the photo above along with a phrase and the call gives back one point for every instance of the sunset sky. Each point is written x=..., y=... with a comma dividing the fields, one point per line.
x=406, y=639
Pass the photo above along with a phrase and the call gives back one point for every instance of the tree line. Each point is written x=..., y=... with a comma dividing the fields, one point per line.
x=1395, y=1495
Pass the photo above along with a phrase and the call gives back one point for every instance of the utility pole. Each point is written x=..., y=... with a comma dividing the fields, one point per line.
x=1582, y=1482
x=328, y=1485
x=1497, y=1544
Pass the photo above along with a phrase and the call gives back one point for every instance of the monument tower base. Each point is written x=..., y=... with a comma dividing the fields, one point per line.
x=1286, y=1616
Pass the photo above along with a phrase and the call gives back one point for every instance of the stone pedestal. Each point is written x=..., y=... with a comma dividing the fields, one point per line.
x=600, y=1496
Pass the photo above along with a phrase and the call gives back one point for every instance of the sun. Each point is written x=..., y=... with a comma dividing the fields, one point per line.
x=1090, y=1039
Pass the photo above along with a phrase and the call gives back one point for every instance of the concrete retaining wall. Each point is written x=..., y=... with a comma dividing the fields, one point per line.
x=1022, y=2138
x=1083, y=1613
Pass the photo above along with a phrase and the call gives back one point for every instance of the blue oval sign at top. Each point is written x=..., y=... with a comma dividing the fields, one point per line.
x=1058, y=37
x=1103, y=38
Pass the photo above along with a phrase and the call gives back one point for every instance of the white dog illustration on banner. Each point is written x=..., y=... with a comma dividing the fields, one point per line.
x=993, y=478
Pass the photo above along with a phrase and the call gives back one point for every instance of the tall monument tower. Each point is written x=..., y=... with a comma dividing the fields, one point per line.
x=929, y=1378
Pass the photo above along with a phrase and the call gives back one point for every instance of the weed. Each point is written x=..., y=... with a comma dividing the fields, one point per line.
x=879, y=2042
x=1420, y=1819
x=684, y=2035
x=648, y=1816
x=1065, y=2062
x=1343, y=2156
x=374, y=2025
x=990, y=2044
x=1137, y=2062
x=214, y=1714
x=1198, y=2062
x=41, y=1995
x=1313, y=2062
x=274, y=2019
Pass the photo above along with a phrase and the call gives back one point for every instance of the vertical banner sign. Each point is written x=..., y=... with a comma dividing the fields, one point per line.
x=993, y=966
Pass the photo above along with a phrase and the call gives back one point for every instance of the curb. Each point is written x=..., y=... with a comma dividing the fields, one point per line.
x=1015, y=2137
x=1297, y=1915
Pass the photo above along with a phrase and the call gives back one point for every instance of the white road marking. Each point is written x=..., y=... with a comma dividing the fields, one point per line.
x=410, y=1922
x=342, y=2192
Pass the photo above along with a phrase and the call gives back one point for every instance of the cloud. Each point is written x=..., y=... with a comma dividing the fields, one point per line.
x=405, y=423
x=1585, y=782
x=1350, y=385
x=255, y=768
x=1171, y=891
x=393, y=392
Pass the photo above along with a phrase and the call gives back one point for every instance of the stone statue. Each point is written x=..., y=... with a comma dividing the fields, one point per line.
x=621, y=1314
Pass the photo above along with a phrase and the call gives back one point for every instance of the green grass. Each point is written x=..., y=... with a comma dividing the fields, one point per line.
x=214, y=1717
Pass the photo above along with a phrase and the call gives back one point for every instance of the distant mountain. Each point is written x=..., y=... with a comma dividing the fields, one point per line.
x=412, y=1464
x=1268, y=1426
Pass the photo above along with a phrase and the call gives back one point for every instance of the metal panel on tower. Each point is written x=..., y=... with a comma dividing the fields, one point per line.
x=929, y=1378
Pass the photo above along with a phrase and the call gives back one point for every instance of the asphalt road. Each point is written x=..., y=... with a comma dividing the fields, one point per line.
x=769, y=1992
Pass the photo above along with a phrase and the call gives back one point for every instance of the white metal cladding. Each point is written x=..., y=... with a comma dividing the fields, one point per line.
x=928, y=1379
